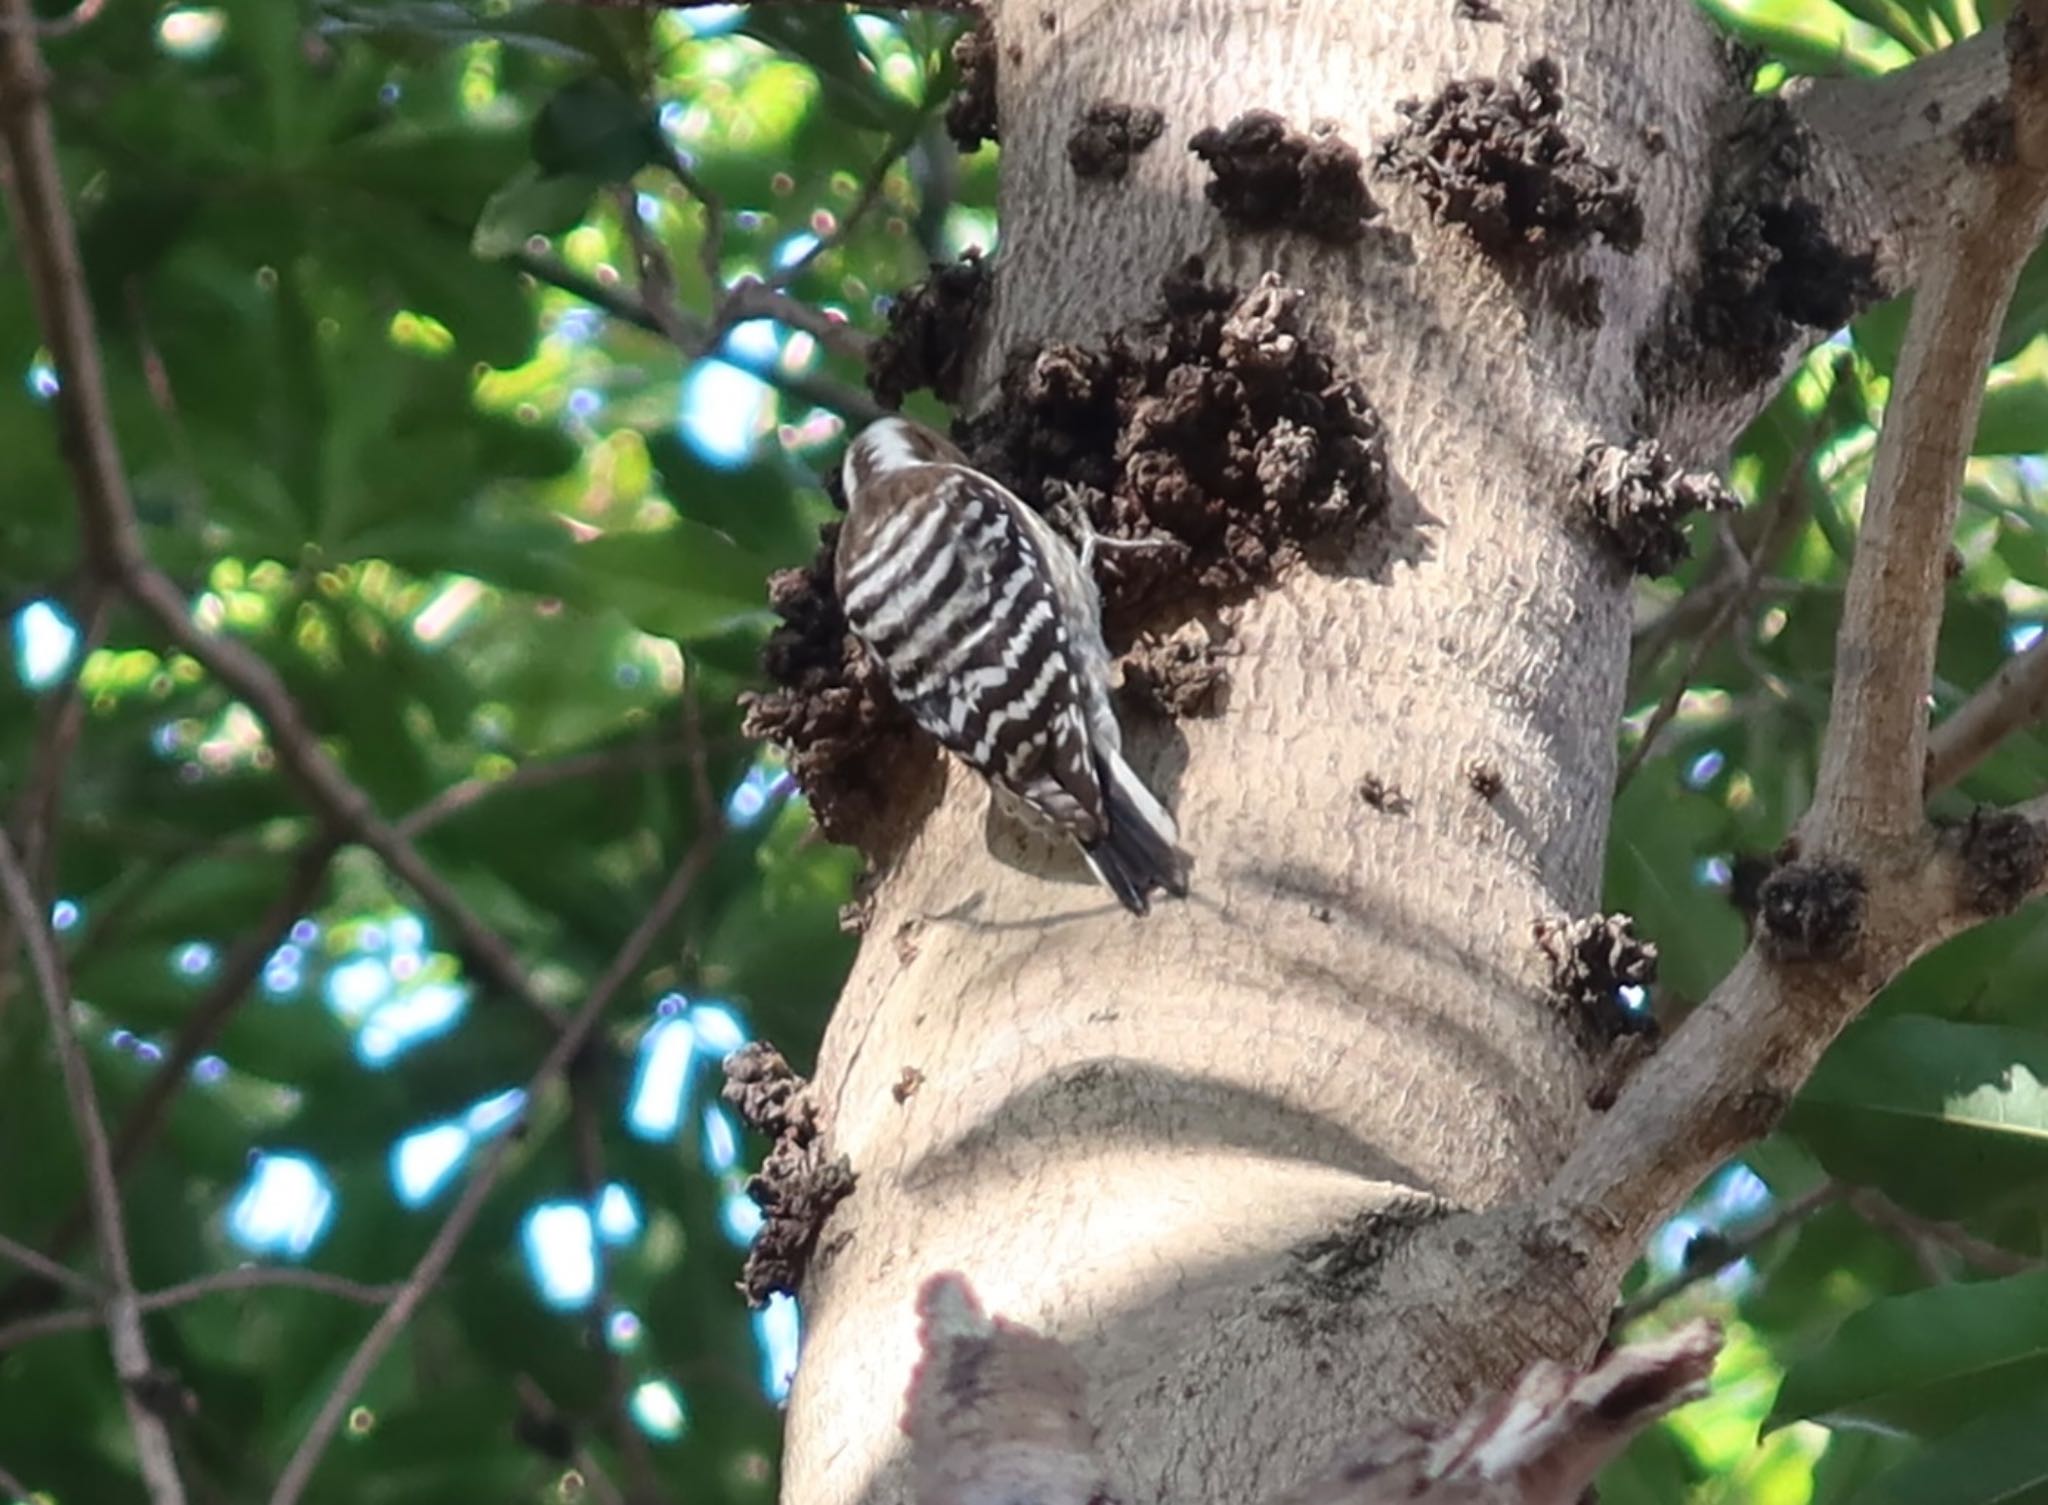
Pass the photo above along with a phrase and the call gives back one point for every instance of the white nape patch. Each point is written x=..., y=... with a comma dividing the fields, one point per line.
x=886, y=445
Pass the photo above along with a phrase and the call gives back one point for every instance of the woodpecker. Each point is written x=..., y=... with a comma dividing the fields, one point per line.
x=988, y=628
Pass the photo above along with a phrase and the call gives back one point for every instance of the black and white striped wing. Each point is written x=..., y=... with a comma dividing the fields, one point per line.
x=954, y=598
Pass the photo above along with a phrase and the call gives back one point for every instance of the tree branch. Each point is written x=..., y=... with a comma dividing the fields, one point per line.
x=433, y=1264
x=627, y=1439
x=113, y=537
x=693, y=336
x=1873, y=885
x=2015, y=697
x=1730, y=1248
x=1881, y=1212
x=122, y=1313
x=1887, y=147
x=38, y=1263
x=251, y=1278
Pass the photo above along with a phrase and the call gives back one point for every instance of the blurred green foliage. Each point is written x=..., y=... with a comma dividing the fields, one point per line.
x=344, y=258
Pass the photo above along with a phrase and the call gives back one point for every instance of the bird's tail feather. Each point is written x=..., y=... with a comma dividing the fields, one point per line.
x=1136, y=854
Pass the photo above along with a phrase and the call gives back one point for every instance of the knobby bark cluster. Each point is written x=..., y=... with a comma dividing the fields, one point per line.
x=1330, y=1145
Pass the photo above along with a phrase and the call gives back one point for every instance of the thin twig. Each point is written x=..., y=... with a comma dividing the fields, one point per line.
x=433, y=1264
x=1880, y=1211
x=538, y=1403
x=59, y=725
x=1729, y=1249
x=870, y=194
x=463, y=796
x=850, y=403
x=658, y=293
x=251, y=1278
x=1785, y=512
x=751, y=299
x=16, y=1490
x=2016, y=696
x=39, y=1263
x=129, y=1345
x=711, y=247
x=627, y=1439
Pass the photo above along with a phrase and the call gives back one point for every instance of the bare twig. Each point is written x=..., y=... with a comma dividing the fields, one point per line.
x=749, y=299
x=36, y=1262
x=870, y=194
x=850, y=403
x=1786, y=511
x=458, y=798
x=2015, y=697
x=1880, y=1211
x=711, y=247
x=543, y=1410
x=251, y=1278
x=15, y=1489
x=433, y=1264
x=80, y=16
x=57, y=732
x=123, y=1315
x=627, y=1439
x=1730, y=1248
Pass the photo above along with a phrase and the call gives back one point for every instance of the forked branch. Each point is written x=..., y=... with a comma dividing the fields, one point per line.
x=1873, y=884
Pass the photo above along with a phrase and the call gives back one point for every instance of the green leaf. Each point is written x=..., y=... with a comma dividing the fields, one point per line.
x=1927, y=1362
x=595, y=129
x=828, y=41
x=1939, y=1114
x=532, y=203
x=2015, y=416
x=2001, y=1459
x=684, y=582
x=2027, y=314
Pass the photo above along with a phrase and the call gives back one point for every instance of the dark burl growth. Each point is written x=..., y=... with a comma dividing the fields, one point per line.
x=1220, y=428
x=1990, y=135
x=1176, y=676
x=1811, y=911
x=850, y=745
x=1639, y=499
x=1591, y=960
x=797, y=1187
x=1109, y=135
x=1489, y=154
x=971, y=112
x=1767, y=272
x=2004, y=858
x=1269, y=176
x=1476, y=10
x=930, y=338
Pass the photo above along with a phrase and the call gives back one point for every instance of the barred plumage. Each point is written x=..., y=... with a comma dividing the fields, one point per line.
x=988, y=629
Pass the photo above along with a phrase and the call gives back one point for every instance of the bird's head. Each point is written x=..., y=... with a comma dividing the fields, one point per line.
x=891, y=444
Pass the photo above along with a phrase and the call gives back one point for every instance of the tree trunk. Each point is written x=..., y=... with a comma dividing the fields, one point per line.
x=1191, y=1145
